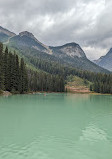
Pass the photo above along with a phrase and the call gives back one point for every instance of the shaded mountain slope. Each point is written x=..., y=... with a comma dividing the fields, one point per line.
x=70, y=54
x=105, y=61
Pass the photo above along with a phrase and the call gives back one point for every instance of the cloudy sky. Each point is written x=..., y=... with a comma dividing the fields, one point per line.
x=56, y=22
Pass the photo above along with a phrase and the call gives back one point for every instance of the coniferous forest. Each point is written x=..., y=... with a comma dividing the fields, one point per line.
x=15, y=77
x=13, y=74
x=101, y=82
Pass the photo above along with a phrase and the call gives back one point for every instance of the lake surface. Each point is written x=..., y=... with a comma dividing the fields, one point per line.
x=56, y=126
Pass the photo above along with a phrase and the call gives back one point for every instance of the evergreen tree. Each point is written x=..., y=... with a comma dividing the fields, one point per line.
x=6, y=68
x=1, y=68
x=17, y=73
x=23, y=85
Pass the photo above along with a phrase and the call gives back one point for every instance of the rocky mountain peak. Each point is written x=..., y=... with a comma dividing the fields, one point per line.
x=37, y=45
x=26, y=33
x=73, y=44
x=73, y=49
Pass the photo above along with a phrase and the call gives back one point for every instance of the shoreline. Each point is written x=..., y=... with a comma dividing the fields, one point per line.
x=6, y=93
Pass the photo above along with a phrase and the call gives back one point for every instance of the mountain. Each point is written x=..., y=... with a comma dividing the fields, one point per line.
x=29, y=47
x=27, y=40
x=5, y=34
x=105, y=61
x=71, y=49
x=73, y=55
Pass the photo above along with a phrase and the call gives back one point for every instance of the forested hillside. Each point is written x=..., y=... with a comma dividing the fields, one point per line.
x=102, y=83
x=16, y=78
x=69, y=54
x=13, y=74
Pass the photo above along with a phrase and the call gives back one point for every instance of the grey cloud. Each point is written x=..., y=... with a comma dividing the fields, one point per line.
x=56, y=22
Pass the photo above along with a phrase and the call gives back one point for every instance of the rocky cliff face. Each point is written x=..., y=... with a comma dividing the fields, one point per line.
x=71, y=49
x=26, y=33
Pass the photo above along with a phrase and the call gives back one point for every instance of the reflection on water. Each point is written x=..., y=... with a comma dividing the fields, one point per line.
x=93, y=134
x=56, y=126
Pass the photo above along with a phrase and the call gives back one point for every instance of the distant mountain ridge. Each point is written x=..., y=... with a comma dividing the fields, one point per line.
x=105, y=61
x=70, y=54
x=5, y=34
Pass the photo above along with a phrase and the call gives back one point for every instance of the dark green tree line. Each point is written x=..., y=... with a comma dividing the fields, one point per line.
x=40, y=81
x=102, y=83
x=16, y=78
x=13, y=75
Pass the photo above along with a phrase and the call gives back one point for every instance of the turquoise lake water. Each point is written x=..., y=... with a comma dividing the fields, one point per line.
x=56, y=126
